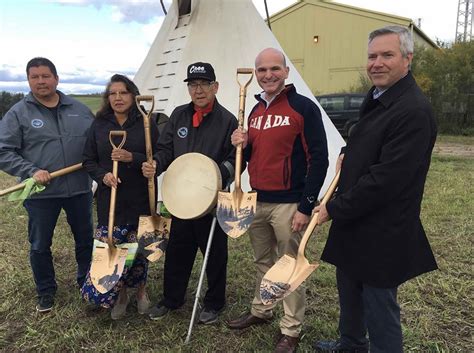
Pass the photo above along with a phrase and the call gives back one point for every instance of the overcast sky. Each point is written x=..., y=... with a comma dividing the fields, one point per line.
x=89, y=40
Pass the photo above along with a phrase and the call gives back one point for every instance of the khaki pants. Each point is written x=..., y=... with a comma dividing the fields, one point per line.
x=271, y=237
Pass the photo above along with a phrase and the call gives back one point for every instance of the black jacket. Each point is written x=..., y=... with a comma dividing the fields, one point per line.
x=211, y=138
x=376, y=235
x=132, y=192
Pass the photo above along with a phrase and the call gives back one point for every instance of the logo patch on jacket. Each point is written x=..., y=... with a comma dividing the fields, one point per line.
x=182, y=132
x=37, y=123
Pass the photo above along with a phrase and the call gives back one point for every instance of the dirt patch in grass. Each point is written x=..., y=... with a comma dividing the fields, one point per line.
x=454, y=149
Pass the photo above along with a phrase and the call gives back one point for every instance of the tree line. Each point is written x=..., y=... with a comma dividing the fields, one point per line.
x=446, y=76
x=8, y=100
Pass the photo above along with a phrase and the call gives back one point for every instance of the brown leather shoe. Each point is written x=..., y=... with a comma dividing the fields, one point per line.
x=287, y=344
x=245, y=321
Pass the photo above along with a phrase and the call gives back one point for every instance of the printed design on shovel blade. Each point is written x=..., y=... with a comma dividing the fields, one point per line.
x=104, y=278
x=271, y=292
x=153, y=240
x=231, y=217
x=110, y=280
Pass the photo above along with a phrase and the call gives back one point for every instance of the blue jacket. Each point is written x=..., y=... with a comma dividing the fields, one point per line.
x=32, y=138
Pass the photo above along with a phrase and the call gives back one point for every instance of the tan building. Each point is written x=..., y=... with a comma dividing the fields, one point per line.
x=326, y=41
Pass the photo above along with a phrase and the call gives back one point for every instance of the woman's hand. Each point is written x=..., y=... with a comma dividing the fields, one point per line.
x=121, y=155
x=110, y=180
x=149, y=169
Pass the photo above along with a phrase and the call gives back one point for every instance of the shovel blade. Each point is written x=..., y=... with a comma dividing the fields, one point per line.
x=236, y=211
x=300, y=276
x=153, y=235
x=107, y=266
x=276, y=281
x=284, y=278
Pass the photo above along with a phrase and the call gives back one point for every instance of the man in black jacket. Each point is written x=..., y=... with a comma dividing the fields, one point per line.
x=376, y=239
x=202, y=126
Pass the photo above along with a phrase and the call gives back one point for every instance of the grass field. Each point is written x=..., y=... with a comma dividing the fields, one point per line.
x=437, y=308
x=93, y=101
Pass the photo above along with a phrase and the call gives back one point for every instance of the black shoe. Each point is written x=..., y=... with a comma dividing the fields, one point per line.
x=208, y=316
x=45, y=303
x=337, y=347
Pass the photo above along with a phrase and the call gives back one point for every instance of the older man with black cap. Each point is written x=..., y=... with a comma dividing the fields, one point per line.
x=202, y=126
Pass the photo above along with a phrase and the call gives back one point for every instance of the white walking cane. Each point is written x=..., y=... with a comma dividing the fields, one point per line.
x=201, y=278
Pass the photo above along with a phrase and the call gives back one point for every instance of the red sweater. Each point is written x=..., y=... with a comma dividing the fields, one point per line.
x=287, y=150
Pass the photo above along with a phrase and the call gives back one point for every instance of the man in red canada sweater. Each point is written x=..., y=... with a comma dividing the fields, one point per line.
x=287, y=155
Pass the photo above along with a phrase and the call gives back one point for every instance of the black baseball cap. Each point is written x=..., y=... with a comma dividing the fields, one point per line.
x=200, y=71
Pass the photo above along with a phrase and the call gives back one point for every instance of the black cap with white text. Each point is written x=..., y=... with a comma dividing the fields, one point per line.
x=200, y=71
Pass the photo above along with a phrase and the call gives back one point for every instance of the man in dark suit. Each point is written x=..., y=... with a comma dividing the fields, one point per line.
x=376, y=239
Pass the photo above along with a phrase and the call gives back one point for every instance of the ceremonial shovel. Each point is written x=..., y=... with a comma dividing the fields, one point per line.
x=288, y=273
x=236, y=210
x=153, y=230
x=108, y=260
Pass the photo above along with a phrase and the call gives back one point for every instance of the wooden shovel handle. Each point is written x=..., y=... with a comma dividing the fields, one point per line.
x=113, y=133
x=315, y=218
x=113, y=191
x=241, y=117
x=149, y=150
x=53, y=175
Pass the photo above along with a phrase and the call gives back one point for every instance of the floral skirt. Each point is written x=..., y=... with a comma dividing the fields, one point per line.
x=132, y=277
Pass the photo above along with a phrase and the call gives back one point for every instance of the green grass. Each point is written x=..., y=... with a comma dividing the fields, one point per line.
x=437, y=308
x=93, y=101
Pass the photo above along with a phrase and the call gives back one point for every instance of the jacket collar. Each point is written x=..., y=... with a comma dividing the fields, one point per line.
x=391, y=94
x=190, y=106
x=290, y=88
x=63, y=99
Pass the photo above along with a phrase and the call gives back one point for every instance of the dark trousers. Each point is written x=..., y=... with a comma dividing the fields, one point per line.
x=42, y=218
x=186, y=236
x=369, y=309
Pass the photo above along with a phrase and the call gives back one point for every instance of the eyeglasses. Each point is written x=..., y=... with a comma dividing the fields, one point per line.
x=118, y=93
x=205, y=86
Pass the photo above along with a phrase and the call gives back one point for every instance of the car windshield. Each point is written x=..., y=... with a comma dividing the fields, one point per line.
x=332, y=103
x=355, y=102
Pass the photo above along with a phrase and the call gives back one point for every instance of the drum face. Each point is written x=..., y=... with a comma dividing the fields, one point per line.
x=190, y=186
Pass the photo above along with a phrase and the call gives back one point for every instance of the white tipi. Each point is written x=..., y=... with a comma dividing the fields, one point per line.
x=228, y=34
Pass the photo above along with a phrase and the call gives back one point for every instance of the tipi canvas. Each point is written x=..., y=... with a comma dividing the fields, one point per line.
x=228, y=34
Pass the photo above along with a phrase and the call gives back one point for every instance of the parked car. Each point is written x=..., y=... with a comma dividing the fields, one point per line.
x=342, y=109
